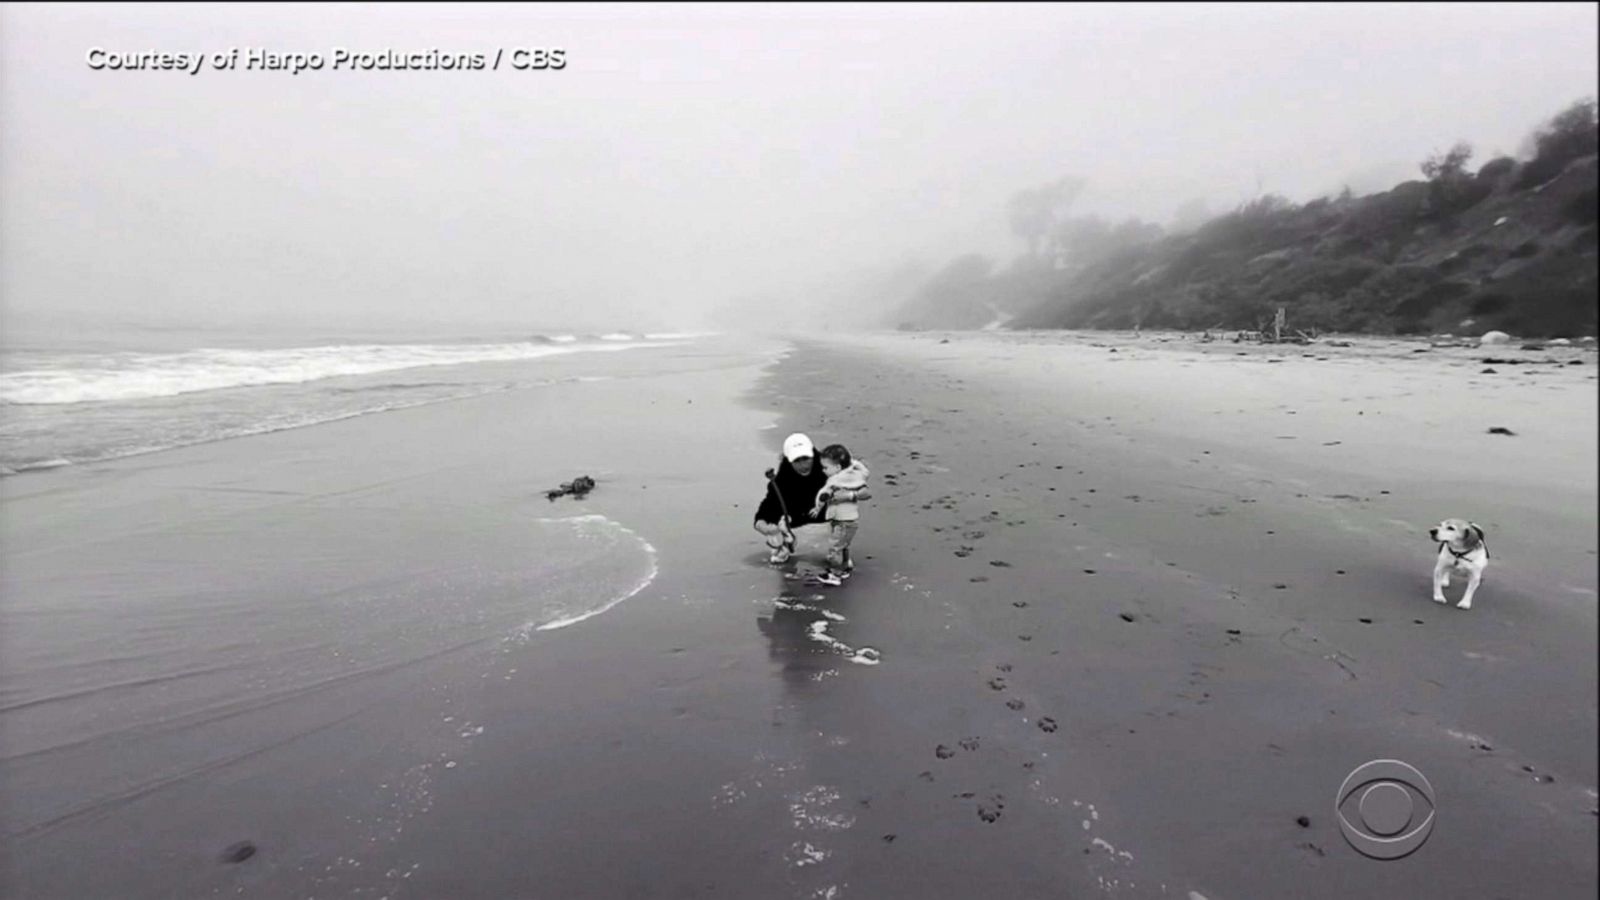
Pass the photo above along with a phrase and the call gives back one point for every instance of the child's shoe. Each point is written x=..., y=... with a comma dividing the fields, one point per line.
x=830, y=578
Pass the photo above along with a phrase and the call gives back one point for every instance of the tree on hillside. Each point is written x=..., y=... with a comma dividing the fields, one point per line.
x=1033, y=211
x=1264, y=207
x=1448, y=165
x=1450, y=187
x=1570, y=134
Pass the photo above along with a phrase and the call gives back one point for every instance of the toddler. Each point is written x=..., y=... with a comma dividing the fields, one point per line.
x=846, y=485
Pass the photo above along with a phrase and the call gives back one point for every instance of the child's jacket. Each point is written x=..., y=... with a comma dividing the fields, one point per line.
x=852, y=477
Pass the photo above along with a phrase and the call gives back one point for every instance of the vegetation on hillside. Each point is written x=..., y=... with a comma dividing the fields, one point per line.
x=1512, y=246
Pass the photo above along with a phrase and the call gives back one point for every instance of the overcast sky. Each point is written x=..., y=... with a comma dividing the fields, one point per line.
x=687, y=156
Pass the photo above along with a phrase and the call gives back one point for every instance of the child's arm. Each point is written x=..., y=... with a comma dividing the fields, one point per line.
x=852, y=484
x=823, y=497
x=853, y=487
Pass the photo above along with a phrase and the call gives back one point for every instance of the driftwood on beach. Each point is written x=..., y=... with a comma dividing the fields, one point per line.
x=577, y=487
x=1261, y=335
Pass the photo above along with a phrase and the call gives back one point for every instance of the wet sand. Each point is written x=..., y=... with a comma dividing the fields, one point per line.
x=1134, y=622
x=1170, y=602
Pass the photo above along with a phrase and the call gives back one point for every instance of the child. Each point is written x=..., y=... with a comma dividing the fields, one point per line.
x=847, y=482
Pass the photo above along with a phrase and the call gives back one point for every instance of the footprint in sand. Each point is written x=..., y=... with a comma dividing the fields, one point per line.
x=943, y=752
x=968, y=744
x=238, y=853
x=1048, y=725
x=1014, y=704
x=1020, y=604
x=997, y=683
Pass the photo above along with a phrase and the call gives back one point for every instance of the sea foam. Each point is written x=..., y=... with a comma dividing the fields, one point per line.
x=597, y=527
x=136, y=376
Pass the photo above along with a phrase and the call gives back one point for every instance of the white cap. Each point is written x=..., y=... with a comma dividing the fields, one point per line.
x=797, y=445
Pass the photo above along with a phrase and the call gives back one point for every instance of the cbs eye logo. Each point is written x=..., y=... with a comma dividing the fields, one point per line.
x=1378, y=809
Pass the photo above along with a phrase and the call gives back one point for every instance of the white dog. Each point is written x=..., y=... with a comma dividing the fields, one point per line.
x=1461, y=548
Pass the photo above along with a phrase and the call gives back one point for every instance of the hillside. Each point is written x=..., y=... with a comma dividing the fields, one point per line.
x=1511, y=248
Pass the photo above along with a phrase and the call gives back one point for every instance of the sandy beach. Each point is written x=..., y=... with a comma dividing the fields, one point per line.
x=1128, y=609
x=1208, y=565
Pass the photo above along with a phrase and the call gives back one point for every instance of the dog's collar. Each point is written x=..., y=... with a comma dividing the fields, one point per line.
x=1446, y=546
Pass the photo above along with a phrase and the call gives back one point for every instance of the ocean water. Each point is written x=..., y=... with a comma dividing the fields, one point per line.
x=75, y=397
x=174, y=656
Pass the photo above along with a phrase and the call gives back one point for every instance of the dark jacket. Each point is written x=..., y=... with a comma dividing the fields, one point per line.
x=799, y=494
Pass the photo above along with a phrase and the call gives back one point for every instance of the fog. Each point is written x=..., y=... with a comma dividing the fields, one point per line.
x=694, y=166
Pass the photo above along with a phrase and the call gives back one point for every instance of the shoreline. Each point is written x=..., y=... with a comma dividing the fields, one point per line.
x=395, y=554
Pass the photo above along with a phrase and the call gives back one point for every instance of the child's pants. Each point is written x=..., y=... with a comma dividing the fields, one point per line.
x=840, y=534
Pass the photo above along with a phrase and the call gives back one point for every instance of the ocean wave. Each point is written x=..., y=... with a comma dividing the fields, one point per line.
x=38, y=466
x=140, y=376
x=679, y=335
x=654, y=335
x=171, y=442
x=612, y=533
x=402, y=387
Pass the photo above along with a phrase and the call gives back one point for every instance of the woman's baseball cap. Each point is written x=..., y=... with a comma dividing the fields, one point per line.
x=797, y=445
